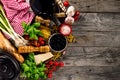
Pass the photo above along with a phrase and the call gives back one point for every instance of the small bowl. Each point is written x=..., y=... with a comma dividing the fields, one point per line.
x=57, y=42
x=9, y=66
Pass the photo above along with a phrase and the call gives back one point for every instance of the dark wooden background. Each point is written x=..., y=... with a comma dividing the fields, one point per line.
x=96, y=54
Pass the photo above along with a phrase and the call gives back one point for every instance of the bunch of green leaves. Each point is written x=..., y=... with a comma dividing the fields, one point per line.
x=32, y=30
x=31, y=71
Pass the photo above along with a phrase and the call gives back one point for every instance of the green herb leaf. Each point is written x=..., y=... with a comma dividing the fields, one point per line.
x=36, y=24
x=32, y=71
x=32, y=30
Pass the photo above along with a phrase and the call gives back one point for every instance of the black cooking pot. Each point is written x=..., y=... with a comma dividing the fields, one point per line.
x=9, y=66
x=45, y=9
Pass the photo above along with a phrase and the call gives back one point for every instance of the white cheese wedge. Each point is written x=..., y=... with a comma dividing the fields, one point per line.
x=42, y=57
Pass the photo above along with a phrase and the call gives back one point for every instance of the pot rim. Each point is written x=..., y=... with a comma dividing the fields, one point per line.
x=56, y=50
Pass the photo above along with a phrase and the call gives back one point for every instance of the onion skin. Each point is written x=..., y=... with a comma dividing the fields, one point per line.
x=63, y=26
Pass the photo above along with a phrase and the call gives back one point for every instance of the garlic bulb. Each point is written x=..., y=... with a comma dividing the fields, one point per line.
x=70, y=11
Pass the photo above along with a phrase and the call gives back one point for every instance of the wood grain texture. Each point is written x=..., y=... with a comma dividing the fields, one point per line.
x=98, y=22
x=96, y=53
x=97, y=29
x=104, y=39
x=88, y=73
x=97, y=5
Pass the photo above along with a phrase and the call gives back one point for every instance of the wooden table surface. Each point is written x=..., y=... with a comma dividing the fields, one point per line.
x=96, y=54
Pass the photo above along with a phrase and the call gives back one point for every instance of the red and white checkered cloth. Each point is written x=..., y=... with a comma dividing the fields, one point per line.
x=17, y=11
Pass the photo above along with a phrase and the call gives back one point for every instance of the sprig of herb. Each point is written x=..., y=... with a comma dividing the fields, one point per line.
x=32, y=30
x=31, y=71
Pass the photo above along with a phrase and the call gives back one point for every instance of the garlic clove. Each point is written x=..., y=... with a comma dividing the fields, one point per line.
x=69, y=20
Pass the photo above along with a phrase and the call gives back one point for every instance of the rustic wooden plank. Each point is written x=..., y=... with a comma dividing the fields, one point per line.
x=93, y=56
x=74, y=51
x=88, y=70
x=96, y=39
x=88, y=73
x=98, y=22
x=101, y=49
x=105, y=66
x=97, y=5
x=83, y=77
x=81, y=61
x=90, y=51
x=97, y=29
